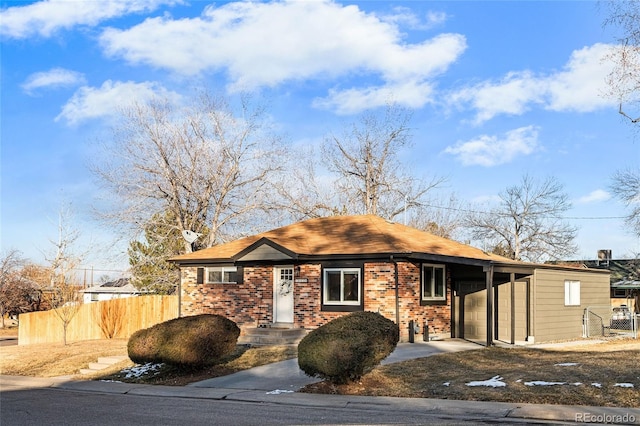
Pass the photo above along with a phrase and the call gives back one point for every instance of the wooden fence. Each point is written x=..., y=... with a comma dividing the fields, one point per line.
x=119, y=318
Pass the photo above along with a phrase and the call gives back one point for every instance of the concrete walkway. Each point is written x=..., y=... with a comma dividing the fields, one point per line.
x=287, y=376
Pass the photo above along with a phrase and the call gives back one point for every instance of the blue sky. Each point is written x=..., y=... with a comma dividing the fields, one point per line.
x=498, y=89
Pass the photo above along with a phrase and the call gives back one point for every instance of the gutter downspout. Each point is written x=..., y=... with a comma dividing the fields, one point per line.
x=395, y=277
x=490, y=323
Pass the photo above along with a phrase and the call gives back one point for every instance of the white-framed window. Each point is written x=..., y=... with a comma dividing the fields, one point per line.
x=433, y=283
x=341, y=286
x=571, y=293
x=221, y=274
x=95, y=297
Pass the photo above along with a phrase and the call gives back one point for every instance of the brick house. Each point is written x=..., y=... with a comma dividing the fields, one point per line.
x=308, y=273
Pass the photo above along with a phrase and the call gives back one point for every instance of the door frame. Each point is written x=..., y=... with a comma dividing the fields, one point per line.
x=287, y=317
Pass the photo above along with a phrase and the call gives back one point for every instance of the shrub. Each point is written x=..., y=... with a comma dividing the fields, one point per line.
x=348, y=347
x=194, y=341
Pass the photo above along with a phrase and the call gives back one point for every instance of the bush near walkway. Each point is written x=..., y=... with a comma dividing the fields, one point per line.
x=194, y=341
x=347, y=347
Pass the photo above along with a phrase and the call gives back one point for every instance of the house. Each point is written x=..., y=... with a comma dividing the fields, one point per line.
x=308, y=273
x=111, y=290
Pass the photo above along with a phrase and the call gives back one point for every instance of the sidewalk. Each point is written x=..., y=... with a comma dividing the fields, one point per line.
x=277, y=384
x=479, y=411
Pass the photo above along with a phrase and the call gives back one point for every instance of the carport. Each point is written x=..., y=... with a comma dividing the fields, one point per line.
x=492, y=301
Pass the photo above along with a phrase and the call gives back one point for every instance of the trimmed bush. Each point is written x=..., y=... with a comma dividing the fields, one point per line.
x=194, y=341
x=348, y=347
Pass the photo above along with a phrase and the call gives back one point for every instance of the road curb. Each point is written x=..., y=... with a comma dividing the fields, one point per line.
x=454, y=408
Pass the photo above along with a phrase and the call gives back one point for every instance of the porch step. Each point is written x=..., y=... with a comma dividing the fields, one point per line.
x=271, y=336
x=103, y=362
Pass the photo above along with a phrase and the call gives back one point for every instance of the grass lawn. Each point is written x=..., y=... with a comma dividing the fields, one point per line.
x=594, y=374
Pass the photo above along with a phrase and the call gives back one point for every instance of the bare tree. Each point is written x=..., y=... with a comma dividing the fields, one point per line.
x=624, y=85
x=16, y=293
x=624, y=80
x=206, y=164
x=303, y=192
x=626, y=187
x=527, y=224
x=370, y=176
x=63, y=295
x=440, y=216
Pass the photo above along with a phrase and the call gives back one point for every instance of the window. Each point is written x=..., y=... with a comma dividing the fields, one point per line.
x=433, y=283
x=95, y=297
x=572, y=293
x=222, y=274
x=619, y=292
x=341, y=286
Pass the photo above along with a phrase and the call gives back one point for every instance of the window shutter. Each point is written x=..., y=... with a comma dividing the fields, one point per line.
x=200, y=277
x=239, y=274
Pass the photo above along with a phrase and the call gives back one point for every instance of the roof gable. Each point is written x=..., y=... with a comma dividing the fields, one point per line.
x=264, y=249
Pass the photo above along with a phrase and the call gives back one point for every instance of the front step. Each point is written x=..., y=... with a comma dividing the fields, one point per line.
x=103, y=362
x=272, y=336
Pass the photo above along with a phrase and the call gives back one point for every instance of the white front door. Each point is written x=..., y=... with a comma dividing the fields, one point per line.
x=283, y=295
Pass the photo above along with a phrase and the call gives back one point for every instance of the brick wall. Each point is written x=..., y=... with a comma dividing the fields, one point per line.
x=251, y=304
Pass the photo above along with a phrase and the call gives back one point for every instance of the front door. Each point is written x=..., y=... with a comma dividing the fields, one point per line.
x=283, y=295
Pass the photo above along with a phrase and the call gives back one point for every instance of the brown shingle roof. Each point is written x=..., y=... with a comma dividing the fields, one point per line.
x=335, y=235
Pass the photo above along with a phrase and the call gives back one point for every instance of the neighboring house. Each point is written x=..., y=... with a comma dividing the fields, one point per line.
x=308, y=273
x=112, y=290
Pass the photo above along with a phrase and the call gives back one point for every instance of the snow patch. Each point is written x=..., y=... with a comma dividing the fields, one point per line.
x=140, y=370
x=278, y=392
x=597, y=385
x=567, y=364
x=543, y=383
x=494, y=382
x=446, y=383
x=623, y=385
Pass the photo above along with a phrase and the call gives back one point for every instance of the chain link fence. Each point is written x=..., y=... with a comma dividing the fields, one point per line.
x=610, y=322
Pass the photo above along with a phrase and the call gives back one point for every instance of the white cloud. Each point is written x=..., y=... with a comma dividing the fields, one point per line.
x=595, y=197
x=265, y=44
x=44, y=18
x=405, y=16
x=491, y=151
x=55, y=77
x=107, y=100
x=580, y=86
x=351, y=101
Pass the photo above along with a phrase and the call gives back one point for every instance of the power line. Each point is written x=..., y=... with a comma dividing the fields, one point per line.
x=563, y=217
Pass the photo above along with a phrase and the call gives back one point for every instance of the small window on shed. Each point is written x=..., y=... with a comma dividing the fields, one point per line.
x=571, y=293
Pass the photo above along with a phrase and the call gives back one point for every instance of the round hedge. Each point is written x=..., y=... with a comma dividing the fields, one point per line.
x=199, y=340
x=347, y=347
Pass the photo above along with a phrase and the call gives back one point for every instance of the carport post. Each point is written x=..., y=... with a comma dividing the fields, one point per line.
x=489, y=280
x=513, y=308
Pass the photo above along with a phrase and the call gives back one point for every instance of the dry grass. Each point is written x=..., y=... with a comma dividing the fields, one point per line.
x=51, y=360
x=606, y=364
x=56, y=359
x=9, y=330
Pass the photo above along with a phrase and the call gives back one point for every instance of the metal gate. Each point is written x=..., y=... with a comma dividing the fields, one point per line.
x=610, y=322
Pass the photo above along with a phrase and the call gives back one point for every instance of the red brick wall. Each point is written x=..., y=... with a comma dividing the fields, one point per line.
x=251, y=304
